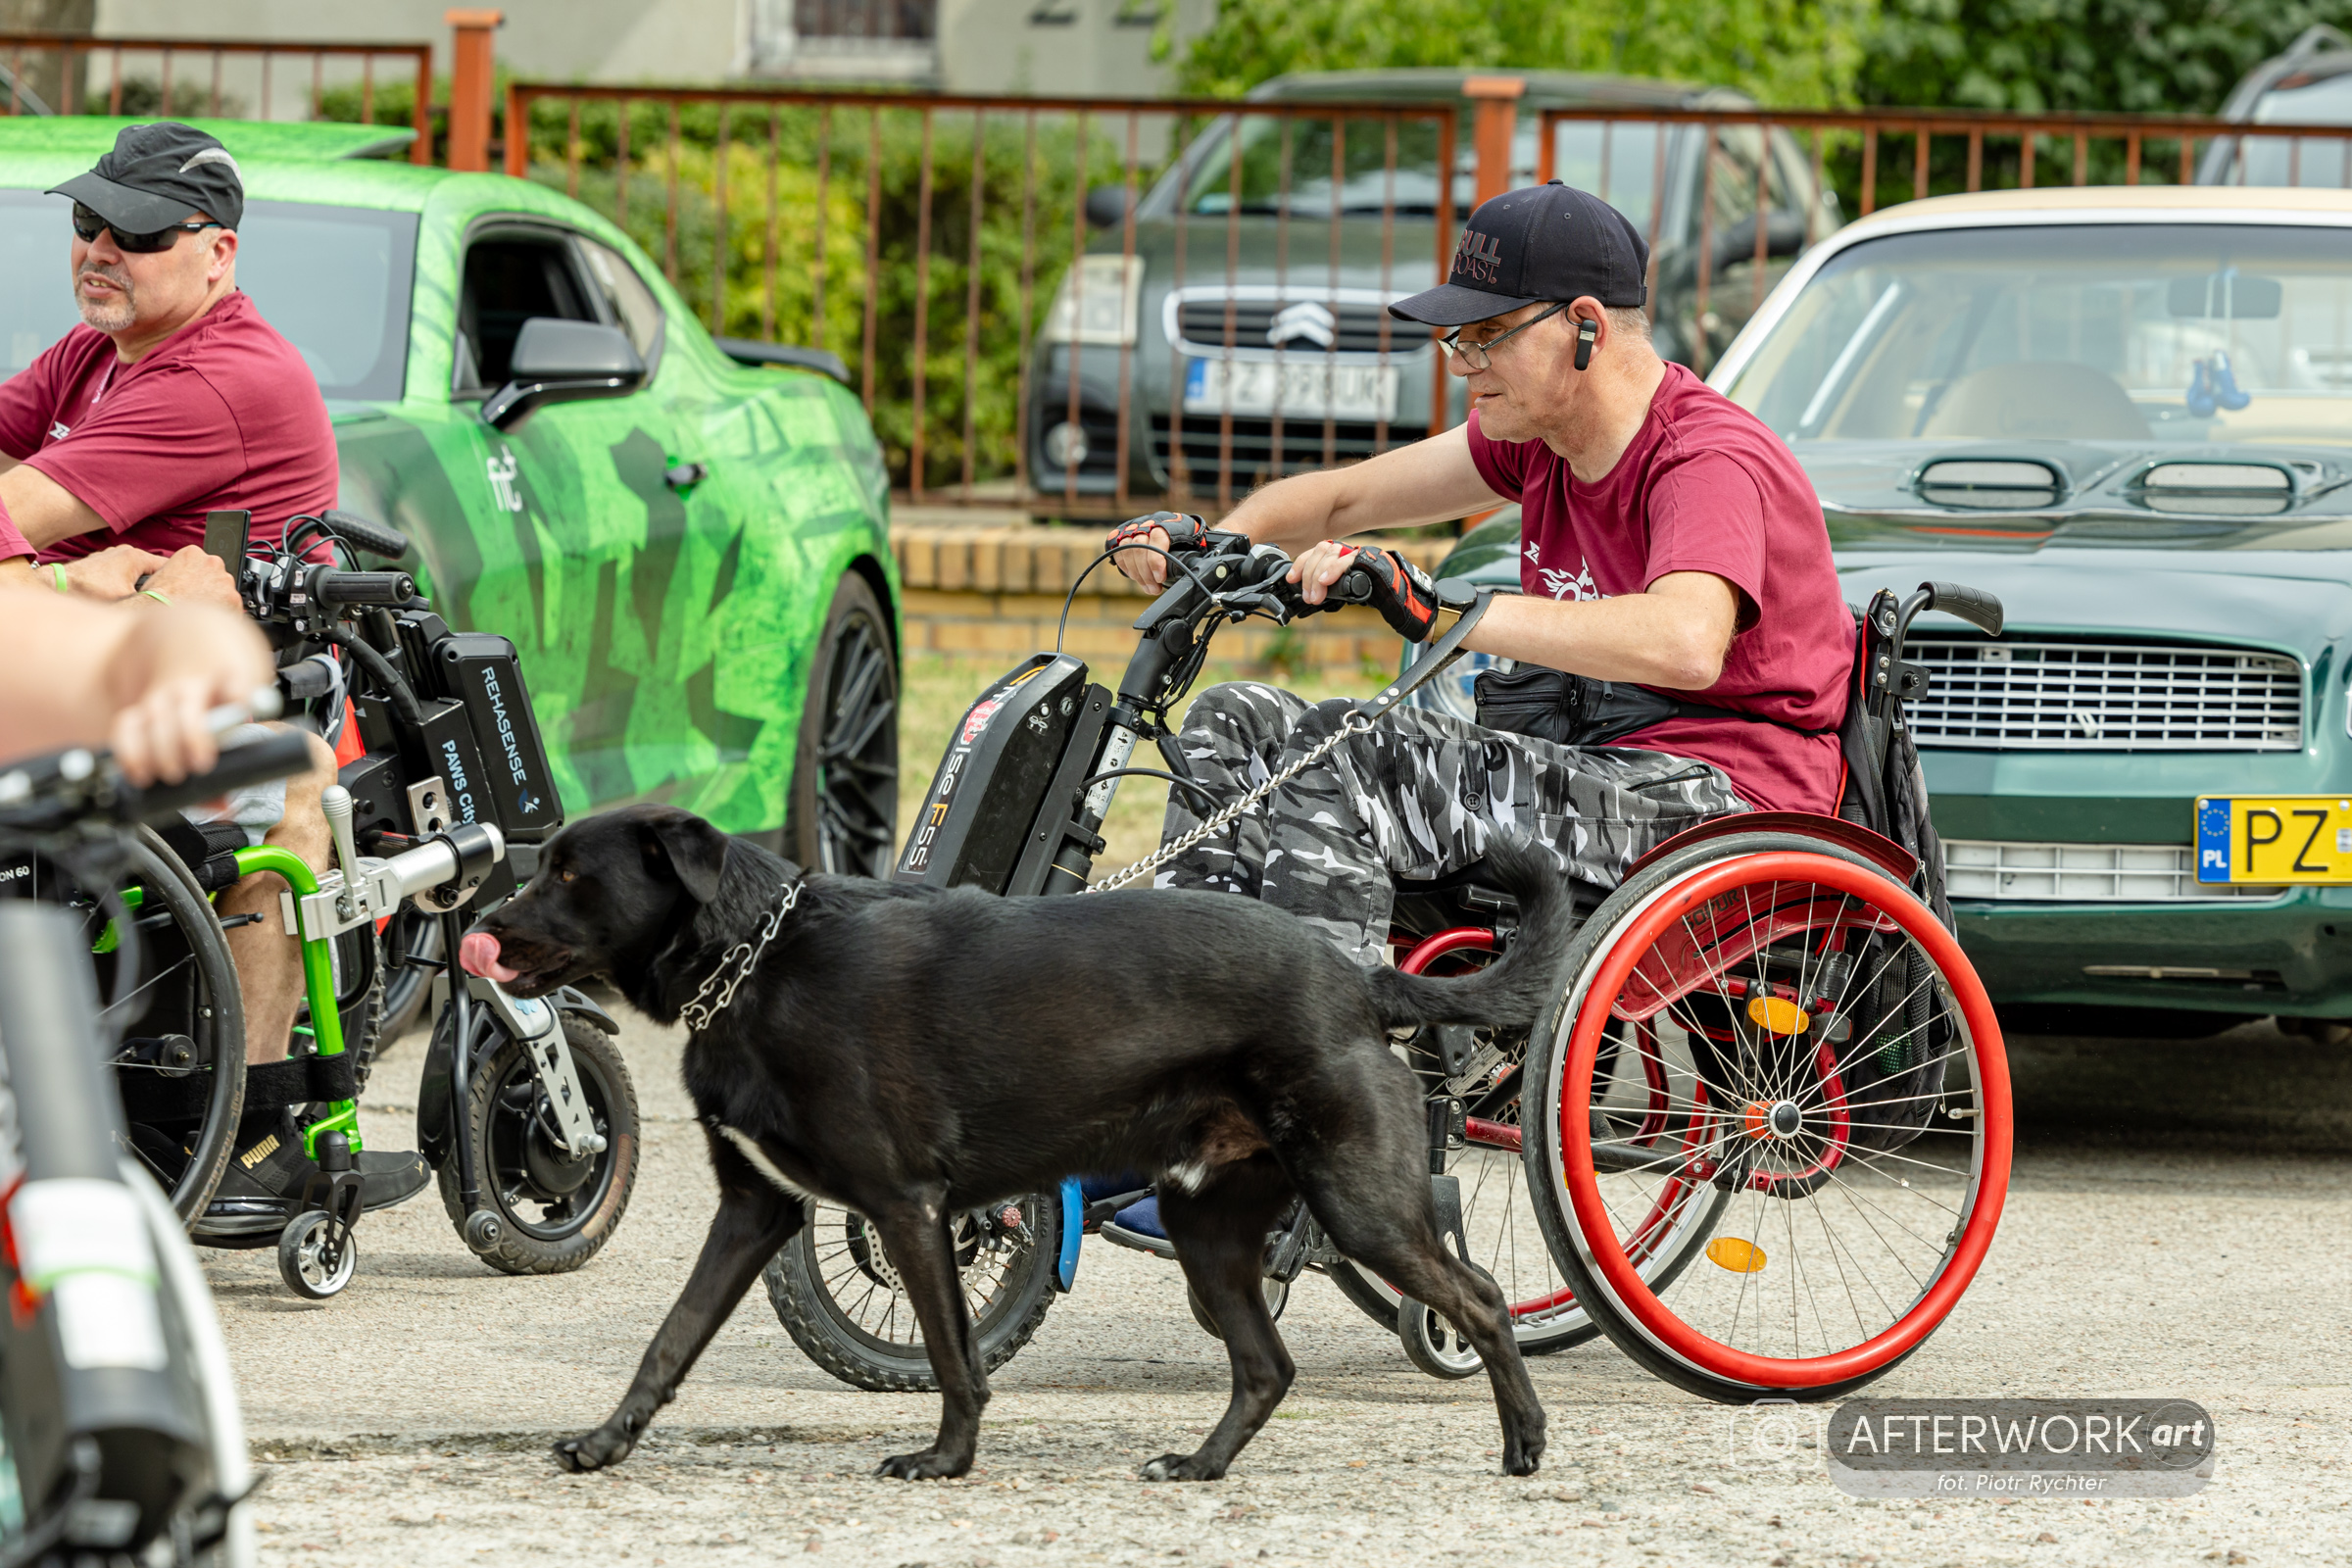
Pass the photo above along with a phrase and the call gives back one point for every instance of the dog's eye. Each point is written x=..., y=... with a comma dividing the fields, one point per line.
x=567, y=876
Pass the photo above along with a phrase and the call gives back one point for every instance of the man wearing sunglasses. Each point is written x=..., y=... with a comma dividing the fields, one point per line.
x=172, y=399
x=1670, y=545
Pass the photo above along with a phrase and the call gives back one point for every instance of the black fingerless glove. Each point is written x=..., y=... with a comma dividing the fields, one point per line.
x=1401, y=592
x=1184, y=530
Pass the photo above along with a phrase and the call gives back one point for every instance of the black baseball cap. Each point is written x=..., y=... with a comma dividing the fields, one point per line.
x=157, y=175
x=1544, y=242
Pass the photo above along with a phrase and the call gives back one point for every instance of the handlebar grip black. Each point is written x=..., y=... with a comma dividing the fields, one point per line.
x=394, y=588
x=1975, y=606
x=304, y=681
x=278, y=755
x=372, y=537
x=1354, y=587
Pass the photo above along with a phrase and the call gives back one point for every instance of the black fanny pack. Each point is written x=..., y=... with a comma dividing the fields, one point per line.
x=1578, y=711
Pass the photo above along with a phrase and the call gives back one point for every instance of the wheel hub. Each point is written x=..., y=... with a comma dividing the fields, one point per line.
x=1781, y=1119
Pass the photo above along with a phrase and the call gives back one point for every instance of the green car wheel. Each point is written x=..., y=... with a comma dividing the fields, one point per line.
x=843, y=810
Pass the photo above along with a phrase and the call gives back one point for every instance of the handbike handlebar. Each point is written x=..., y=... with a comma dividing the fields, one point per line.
x=1975, y=606
x=43, y=794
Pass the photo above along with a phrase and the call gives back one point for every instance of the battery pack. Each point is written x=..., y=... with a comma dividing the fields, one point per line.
x=483, y=673
x=977, y=818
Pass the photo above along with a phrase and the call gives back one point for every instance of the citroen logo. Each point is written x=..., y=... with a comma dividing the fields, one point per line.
x=1308, y=318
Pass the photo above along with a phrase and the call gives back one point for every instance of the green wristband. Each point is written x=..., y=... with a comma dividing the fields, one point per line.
x=157, y=597
x=57, y=570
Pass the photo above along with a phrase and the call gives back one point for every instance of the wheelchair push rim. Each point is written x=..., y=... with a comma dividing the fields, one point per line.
x=1893, y=1238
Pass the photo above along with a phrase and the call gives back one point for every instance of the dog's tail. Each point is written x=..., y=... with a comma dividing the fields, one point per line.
x=1512, y=992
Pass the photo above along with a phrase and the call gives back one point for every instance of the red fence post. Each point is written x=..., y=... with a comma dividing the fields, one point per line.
x=470, y=88
x=1497, y=100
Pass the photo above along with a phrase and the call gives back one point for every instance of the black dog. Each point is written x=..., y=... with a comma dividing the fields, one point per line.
x=912, y=1054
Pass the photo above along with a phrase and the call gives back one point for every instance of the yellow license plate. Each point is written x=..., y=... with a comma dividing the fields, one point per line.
x=2274, y=839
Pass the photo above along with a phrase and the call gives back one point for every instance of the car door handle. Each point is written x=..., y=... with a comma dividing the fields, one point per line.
x=684, y=474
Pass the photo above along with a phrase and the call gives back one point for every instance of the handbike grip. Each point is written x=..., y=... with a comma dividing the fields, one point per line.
x=390, y=588
x=1975, y=606
x=372, y=537
x=1354, y=587
x=276, y=754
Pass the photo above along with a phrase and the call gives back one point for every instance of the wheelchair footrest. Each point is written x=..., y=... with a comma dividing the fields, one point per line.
x=153, y=1099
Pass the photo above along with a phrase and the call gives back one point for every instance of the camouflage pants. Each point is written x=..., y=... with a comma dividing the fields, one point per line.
x=1415, y=798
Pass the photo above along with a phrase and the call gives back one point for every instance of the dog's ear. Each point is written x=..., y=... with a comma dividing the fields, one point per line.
x=695, y=852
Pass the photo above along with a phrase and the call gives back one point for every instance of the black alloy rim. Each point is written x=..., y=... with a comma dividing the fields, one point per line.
x=857, y=753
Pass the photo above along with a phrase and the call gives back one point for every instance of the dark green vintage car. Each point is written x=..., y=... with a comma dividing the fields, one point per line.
x=2129, y=413
x=689, y=553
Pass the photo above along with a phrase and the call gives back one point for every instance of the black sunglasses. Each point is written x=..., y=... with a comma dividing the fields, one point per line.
x=89, y=225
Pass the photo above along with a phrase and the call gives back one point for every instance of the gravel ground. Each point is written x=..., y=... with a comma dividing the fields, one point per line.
x=2178, y=1226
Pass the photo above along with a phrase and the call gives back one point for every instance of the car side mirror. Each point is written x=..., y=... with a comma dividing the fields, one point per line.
x=557, y=361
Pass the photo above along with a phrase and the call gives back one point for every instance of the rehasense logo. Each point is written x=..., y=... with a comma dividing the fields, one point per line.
x=2019, y=1449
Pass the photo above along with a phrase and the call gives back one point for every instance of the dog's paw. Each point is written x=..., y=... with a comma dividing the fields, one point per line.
x=1182, y=1467
x=1522, y=1458
x=928, y=1465
x=593, y=1451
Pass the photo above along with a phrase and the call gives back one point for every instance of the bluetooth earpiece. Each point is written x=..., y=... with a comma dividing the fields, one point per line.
x=1586, y=330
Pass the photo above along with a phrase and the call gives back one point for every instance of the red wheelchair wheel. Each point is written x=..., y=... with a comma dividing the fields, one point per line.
x=1832, y=1075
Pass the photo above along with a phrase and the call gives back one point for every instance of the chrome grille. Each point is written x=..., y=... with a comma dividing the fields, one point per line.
x=1358, y=323
x=2080, y=874
x=2105, y=697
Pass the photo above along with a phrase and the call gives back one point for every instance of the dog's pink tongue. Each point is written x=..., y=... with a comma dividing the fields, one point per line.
x=477, y=954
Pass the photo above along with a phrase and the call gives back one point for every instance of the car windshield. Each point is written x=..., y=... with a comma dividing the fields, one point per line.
x=335, y=280
x=2190, y=332
x=1615, y=157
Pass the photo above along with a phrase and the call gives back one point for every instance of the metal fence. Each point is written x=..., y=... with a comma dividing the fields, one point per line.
x=1015, y=335
x=48, y=73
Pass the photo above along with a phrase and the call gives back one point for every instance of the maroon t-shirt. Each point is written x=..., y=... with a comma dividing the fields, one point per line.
x=223, y=415
x=1704, y=487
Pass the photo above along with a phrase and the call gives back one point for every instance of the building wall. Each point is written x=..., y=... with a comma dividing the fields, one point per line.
x=1053, y=47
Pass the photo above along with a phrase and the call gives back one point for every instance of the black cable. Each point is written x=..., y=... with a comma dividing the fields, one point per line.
x=397, y=691
x=1062, y=629
x=1193, y=784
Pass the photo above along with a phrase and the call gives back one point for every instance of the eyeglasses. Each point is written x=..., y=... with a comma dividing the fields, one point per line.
x=89, y=225
x=1476, y=355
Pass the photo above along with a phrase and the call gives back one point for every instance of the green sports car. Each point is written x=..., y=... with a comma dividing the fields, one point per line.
x=2129, y=413
x=687, y=538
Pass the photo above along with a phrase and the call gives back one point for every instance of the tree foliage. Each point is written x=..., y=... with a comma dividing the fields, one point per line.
x=1780, y=51
x=2026, y=56
x=2032, y=56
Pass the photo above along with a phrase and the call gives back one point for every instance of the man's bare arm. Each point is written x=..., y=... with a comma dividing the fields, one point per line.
x=1673, y=635
x=43, y=511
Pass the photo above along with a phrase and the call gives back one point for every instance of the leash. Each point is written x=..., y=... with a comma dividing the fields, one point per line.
x=741, y=957
x=1442, y=653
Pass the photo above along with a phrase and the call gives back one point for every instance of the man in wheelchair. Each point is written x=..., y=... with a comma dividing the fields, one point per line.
x=1681, y=644
x=174, y=398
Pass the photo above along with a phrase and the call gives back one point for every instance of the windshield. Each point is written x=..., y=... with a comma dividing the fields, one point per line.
x=333, y=280
x=1614, y=157
x=2204, y=332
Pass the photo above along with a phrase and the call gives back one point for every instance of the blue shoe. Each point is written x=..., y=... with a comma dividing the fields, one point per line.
x=1138, y=1226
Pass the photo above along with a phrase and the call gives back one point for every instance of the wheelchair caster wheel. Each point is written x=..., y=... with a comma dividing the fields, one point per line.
x=313, y=1267
x=1278, y=1297
x=484, y=1230
x=1434, y=1345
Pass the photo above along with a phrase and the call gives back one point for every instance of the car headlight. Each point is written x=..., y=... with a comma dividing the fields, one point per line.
x=1099, y=302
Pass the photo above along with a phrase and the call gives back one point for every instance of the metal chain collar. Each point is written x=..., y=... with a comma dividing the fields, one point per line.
x=742, y=956
x=1357, y=722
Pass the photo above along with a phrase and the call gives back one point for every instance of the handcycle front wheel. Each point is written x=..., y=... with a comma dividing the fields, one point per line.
x=838, y=1294
x=1834, y=1100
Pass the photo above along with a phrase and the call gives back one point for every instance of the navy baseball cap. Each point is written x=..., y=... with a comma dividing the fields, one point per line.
x=1544, y=242
x=157, y=175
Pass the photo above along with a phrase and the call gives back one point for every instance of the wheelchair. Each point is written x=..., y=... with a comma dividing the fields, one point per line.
x=1761, y=1143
